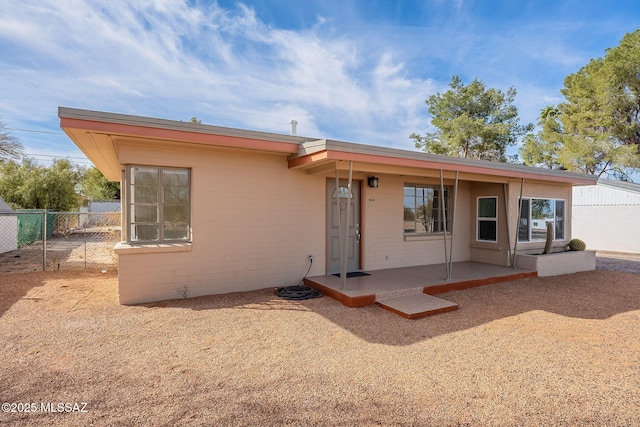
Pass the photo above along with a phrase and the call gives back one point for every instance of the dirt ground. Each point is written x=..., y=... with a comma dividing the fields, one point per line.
x=560, y=351
x=63, y=253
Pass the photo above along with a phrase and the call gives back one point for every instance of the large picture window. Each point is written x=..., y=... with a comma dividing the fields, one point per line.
x=422, y=213
x=487, y=221
x=534, y=216
x=158, y=201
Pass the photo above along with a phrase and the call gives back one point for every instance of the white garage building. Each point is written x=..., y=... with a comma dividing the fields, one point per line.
x=606, y=216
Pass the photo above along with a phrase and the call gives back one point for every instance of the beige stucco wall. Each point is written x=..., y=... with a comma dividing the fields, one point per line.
x=254, y=223
x=488, y=252
x=384, y=242
x=499, y=252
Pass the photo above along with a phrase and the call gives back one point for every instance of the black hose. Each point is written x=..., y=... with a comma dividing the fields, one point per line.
x=299, y=292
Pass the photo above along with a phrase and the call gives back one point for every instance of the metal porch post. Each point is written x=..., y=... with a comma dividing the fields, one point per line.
x=515, y=245
x=345, y=235
x=444, y=225
x=506, y=214
x=453, y=217
x=337, y=192
x=343, y=229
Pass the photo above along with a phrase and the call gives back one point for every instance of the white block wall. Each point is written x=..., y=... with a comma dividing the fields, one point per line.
x=608, y=228
x=607, y=218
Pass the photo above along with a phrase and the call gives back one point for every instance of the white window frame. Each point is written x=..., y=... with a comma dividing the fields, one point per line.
x=529, y=220
x=492, y=219
x=159, y=222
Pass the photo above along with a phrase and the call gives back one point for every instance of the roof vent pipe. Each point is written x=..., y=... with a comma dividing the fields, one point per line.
x=294, y=127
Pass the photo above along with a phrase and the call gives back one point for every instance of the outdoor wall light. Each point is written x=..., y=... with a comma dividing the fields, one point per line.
x=372, y=181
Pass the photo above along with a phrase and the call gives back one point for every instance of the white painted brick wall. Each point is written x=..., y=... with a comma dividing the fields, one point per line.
x=608, y=228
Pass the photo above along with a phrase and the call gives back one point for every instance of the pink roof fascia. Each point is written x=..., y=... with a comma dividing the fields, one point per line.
x=302, y=151
x=309, y=159
x=177, y=135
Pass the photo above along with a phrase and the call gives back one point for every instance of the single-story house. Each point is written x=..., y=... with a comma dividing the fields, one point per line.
x=210, y=210
x=606, y=215
x=8, y=228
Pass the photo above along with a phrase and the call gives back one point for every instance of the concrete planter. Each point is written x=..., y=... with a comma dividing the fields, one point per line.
x=558, y=263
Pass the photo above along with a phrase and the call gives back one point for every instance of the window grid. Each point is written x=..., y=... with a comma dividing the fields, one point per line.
x=487, y=219
x=159, y=204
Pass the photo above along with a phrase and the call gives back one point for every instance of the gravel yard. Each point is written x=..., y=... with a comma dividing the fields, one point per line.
x=546, y=351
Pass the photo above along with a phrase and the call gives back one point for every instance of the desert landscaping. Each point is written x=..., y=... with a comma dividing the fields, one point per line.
x=545, y=351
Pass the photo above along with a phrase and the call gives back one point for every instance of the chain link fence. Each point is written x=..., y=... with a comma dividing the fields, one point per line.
x=43, y=240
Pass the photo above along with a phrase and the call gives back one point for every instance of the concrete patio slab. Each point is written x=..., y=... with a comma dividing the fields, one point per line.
x=428, y=279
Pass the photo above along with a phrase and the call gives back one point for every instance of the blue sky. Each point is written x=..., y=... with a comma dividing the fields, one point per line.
x=356, y=71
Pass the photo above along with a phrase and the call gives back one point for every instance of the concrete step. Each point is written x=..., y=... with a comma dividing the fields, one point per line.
x=387, y=295
x=417, y=305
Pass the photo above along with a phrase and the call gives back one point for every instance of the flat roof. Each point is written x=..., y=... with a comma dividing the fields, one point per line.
x=417, y=159
x=93, y=133
x=173, y=125
x=623, y=185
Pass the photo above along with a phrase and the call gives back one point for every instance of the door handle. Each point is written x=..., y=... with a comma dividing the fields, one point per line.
x=357, y=233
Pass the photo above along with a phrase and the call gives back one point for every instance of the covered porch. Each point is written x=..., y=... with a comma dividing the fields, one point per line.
x=412, y=209
x=409, y=291
x=459, y=229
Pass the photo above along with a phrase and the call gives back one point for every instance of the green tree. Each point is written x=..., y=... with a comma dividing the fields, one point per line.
x=11, y=179
x=94, y=186
x=9, y=145
x=541, y=149
x=472, y=121
x=597, y=129
x=32, y=186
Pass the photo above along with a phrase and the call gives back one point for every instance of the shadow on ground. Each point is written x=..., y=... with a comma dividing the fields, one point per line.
x=593, y=295
x=14, y=287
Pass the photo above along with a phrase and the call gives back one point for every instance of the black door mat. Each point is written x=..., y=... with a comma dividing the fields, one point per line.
x=353, y=274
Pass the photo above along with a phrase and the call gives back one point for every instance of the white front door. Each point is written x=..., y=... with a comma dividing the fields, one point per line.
x=333, y=230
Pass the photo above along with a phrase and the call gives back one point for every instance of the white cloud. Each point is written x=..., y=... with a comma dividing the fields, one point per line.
x=165, y=58
x=176, y=59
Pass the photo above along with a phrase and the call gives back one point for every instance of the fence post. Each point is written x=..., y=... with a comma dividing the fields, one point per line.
x=85, y=249
x=44, y=240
